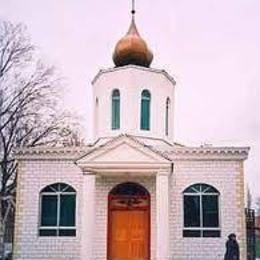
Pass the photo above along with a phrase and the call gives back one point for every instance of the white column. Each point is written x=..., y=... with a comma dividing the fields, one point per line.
x=162, y=216
x=88, y=216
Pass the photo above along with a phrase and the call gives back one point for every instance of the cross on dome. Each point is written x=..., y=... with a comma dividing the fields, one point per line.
x=133, y=7
x=132, y=49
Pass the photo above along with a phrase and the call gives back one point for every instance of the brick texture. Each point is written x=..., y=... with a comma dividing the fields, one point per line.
x=226, y=176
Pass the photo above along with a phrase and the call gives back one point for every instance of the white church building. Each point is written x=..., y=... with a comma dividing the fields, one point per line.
x=133, y=194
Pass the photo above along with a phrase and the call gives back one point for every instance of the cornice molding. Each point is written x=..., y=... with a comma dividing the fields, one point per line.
x=51, y=153
x=153, y=70
x=175, y=153
x=209, y=153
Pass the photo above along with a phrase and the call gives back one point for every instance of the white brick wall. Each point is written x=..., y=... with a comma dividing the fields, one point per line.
x=224, y=176
x=34, y=175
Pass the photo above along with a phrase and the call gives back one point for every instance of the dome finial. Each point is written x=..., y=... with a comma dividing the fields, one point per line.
x=133, y=8
x=132, y=49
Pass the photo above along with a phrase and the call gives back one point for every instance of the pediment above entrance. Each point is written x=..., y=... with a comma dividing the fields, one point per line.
x=123, y=152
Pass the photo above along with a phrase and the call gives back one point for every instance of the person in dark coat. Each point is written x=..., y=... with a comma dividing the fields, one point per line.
x=232, y=248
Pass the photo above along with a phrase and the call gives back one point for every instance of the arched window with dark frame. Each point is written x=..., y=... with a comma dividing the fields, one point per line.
x=145, y=110
x=57, y=210
x=167, y=108
x=115, y=109
x=201, y=211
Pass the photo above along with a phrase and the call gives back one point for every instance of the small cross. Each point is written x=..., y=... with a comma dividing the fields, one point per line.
x=133, y=7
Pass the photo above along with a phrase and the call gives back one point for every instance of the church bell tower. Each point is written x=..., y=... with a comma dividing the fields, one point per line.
x=133, y=98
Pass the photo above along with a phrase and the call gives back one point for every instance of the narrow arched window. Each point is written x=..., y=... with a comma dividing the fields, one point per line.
x=115, y=109
x=145, y=110
x=57, y=214
x=201, y=211
x=167, y=108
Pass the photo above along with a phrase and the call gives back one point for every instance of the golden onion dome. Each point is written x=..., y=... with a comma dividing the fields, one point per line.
x=132, y=49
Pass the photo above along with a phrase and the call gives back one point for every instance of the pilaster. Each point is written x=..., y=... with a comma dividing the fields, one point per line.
x=88, y=216
x=162, y=215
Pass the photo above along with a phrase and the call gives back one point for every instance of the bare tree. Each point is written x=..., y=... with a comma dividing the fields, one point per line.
x=30, y=114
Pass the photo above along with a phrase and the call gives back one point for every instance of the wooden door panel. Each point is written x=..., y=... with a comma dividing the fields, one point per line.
x=120, y=246
x=129, y=235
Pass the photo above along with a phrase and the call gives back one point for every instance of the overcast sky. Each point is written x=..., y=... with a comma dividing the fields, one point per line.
x=211, y=47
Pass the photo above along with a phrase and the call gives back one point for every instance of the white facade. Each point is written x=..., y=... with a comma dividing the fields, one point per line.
x=171, y=178
x=102, y=167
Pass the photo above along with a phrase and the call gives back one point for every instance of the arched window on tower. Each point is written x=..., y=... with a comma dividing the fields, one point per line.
x=115, y=109
x=97, y=115
x=145, y=110
x=167, y=109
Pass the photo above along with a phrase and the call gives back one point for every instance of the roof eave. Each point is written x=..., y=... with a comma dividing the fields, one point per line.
x=160, y=71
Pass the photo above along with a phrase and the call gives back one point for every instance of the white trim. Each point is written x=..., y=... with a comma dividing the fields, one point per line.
x=201, y=193
x=162, y=216
x=58, y=227
x=171, y=153
x=88, y=216
x=208, y=153
x=152, y=70
x=203, y=228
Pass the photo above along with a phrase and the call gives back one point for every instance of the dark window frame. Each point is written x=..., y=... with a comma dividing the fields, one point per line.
x=202, y=190
x=167, y=112
x=59, y=191
x=145, y=119
x=115, y=109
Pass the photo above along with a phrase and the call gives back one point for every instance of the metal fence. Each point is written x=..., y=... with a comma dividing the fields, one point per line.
x=250, y=234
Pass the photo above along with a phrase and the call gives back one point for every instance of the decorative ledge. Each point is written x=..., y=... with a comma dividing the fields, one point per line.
x=209, y=153
x=163, y=72
x=51, y=153
x=167, y=151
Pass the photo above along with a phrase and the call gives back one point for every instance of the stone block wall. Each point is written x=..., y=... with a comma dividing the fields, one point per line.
x=227, y=177
x=33, y=176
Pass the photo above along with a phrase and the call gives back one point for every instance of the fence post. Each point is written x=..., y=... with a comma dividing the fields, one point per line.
x=250, y=234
